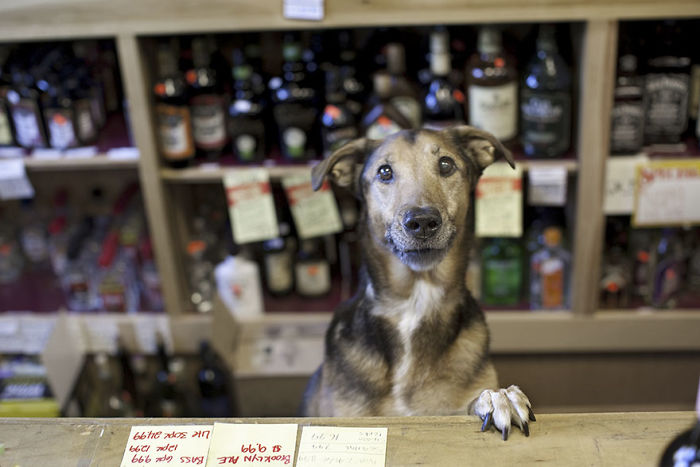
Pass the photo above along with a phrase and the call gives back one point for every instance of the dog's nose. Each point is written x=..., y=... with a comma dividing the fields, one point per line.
x=422, y=223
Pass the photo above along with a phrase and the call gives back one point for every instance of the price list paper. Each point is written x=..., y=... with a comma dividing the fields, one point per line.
x=499, y=202
x=251, y=208
x=668, y=193
x=621, y=182
x=322, y=446
x=14, y=183
x=167, y=445
x=315, y=213
x=250, y=444
x=547, y=186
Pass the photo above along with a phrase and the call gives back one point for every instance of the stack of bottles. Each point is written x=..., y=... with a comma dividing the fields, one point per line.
x=57, y=96
x=101, y=255
x=213, y=102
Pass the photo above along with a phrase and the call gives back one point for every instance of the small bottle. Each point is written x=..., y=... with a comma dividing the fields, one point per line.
x=641, y=246
x=246, y=122
x=337, y=122
x=33, y=236
x=443, y=104
x=165, y=398
x=238, y=285
x=669, y=270
x=492, y=88
x=214, y=385
x=201, y=276
x=684, y=450
x=312, y=273
x=627, y=130
x=278, y=262
x=402, y=94
x=59, y=115
x=545, y=101
x=549, y=276
x=502, y=272
x=383, y=118
x=130, y=396
x=26, y=113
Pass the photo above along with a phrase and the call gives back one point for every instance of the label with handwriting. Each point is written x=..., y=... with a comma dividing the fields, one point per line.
x=499, y=202
x=321, y=446
x=250, y=444
x=547, y=186
x=251, y=207
x=168, y=445
x=315, y=213
x=620, y=183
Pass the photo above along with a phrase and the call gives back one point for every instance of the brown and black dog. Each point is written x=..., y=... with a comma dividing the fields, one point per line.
x=413, y=341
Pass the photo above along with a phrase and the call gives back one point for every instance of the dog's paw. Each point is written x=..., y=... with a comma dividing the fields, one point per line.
x=504, y=408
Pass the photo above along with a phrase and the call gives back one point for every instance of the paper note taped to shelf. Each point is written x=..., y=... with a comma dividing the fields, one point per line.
x=620, y=182
x=547, y=185
x=303, y=9
x=321, y=446
x=667, y=193
x=250, y=444
x=250, y=204
x=315, y=213
x=499, y=202
x=14, y=183
x=168, y=445
x=46, y=154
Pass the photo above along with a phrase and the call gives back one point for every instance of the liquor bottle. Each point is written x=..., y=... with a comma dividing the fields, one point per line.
x=549, y=276
x=666, y=88
x=33, y=236
x=627, y=131
x=26, y=112
x=105, y=399
x=11, y=261
x=85, y=124
x=238, y=284
x=669, y=270
x=443, y=104
x=173, y=121
x=246, y=123
x=201, y=276
x=402, y=93
x=353, y=87
x=684, y=449
x=213, y=382
x=206, y=104
x=312, y=273
x=616, y=276
x=545, y=100
x=337, y=122
x=59, y=115
x=166, y=398
x=295, y=109
x=7, y=137
x=77, y=275
x=383, y=118
x=278, y=263
x=502, y=272
x=492, y=87
x=641, y=246
x=150, y=279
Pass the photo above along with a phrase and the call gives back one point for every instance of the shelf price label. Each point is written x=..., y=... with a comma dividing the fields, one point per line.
x=499, y=202
x=329, y=445
x=547, y=186
x=303, y=9
x=251, y=207
x=621, y=182
x=667, y=194
x=250, y=444
x=168, y=445
x=315, y=213
x=14, y=183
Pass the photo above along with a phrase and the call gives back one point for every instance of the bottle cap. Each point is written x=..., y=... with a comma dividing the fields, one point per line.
x=395, y=58
x=439, y=42
x=552, y=236
x=489, y=41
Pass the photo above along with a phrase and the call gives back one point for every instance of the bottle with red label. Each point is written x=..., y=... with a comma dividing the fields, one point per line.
x=59, y=115
x=312, y=272
x=383, y=118
x=337, y=122
x=549, y=276
x=206, y=104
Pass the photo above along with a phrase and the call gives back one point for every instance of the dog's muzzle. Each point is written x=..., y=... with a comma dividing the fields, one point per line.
x=422, y=223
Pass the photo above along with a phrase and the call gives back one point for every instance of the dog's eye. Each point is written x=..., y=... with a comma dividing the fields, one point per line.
x=385, y=173
x=447, y=166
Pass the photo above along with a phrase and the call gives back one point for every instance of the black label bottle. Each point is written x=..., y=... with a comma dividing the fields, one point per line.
x=545, y=100
x=443, y=103
x=337, y=122
x=26, y=113
x=173, y=122
x=206, y=104
x=627, y=130
x=6, y=131
x=246, y=123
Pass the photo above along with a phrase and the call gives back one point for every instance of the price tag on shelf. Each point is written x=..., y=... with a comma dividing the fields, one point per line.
x=122, y=154
x=14, y=183
x=667, y=193
x=321, y=446
x=84, y=152
x=620, y=183
x=303, y=9
x=315, y=213
x=167, y=445
x=46, y=154
x=547, y=186
x=252, y=444
x=499, y=202
x=251, y=208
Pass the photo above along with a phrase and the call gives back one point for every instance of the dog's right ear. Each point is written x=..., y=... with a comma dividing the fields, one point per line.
x=343, y=166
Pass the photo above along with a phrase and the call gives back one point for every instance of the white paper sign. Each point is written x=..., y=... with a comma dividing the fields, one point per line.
x=315, y=213
x=499, y=202
x=322, y=446
x=248, y=444
x=620, y=183
x=84, y=152
x=668, y=193
x=167, y=445
x=547, y=186
x=46, y=153
x=101, y=333
x=303, y=9
x=251, y=208
x=14, y=183
x=11, y=152
x=123, y=154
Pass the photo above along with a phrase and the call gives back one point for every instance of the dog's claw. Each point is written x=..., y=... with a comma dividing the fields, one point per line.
x=526, y=429
x=488, y=421
x=505, y=432
x=531, y=414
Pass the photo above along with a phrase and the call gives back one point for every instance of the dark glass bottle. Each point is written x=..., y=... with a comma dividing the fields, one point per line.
x=246, y=123
x=59, y=115
x=26, y=114
x=383, y=118
x=337, y=122
x=165, y=399
x=627, y=130
x=492, y=89
x=443, y=103
x=206, y=104
x=684, y=450
x=312, y=271
x=213, y=382
x=353, y=87
x=295, y=109
x=7, y=137
x=502, y=272
x=666, y=88
x=278, y=261
x=173, y=122
x=669, y=270
x=402, y=94
x=82, y=107
x=545, y=100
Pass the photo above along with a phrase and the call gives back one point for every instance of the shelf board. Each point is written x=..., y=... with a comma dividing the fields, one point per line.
x=98, y=162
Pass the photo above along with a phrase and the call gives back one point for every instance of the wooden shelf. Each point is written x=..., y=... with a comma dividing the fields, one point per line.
x=99, y=162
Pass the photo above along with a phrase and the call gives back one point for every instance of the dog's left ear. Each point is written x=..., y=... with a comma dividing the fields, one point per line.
x=343, y=166
x=480, y=145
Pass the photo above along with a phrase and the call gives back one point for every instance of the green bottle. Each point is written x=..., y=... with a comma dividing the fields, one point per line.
x=502, y=272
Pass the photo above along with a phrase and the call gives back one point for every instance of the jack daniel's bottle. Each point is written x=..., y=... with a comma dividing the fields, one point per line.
x=627, y=131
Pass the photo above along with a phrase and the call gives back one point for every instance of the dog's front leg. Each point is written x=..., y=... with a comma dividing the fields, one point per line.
x=503, y=408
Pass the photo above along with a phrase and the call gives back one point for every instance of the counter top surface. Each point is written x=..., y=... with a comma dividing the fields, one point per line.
x=556, y=439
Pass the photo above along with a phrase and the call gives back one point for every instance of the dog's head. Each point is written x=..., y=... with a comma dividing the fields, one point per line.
x=415, y=186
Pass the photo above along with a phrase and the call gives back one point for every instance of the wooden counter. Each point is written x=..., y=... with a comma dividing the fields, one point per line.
x=564, y=439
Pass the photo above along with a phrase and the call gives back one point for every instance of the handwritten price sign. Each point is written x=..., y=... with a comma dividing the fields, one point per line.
x=248, y=444
x=321, y=446
x=668, y=193
x=167, y=445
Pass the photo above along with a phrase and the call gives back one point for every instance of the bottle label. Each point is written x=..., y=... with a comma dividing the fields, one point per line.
x=494, y=109
x=174, y=131
x=382, y=127
x=502, y=281
x=294, y=140
x=545, y=117
x=61, y=131
x=246, y=147
x=409, y=108
x=87, y=131
x=552, y=273
x=78, y=291
x=626, y=134
x=25, y=115
x=694, y=100
x=278, y=268
x=666, y=104
x=208, y=122
x=313, y=277
x=5, y=130
x=114, y=301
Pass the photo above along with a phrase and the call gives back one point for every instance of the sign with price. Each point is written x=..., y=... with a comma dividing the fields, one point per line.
x=167, y=445
x=321, y=446
x=667, y=193
x=250, y=444
x=315, y=213
x=251, y=207
x=499, y=202
x=620, y=183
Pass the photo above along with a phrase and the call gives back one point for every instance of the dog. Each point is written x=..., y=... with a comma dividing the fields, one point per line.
x=413, y=340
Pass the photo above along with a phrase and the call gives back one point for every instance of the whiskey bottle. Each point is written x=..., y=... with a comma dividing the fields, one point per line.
x=627, y=130
x=26, y=113
x=383, y=118
x=402, y=94
x=443, y=103
x=246, y=124
x=337, y=122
